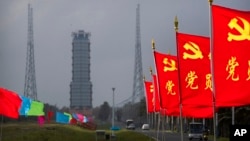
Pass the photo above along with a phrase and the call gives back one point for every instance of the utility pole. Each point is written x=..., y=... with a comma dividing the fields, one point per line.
x=113, y=112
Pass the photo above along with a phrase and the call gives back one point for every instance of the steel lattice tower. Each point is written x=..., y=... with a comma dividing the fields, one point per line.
x=138, y=90
x=30, y=90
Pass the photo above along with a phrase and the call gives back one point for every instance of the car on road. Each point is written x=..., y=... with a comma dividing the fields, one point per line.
x=195, y=131
x=128, y=122
x=145, y=127
x=131, y=126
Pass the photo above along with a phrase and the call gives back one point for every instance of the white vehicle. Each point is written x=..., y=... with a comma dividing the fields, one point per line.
x=145, y=127
x=131, y=126
x=130, y=123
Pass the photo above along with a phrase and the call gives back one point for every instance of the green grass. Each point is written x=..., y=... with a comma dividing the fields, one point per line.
x=48, y=132
x=56, y=132
x=218, y=139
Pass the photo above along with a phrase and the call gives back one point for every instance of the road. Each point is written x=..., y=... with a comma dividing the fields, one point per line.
x=166, y=136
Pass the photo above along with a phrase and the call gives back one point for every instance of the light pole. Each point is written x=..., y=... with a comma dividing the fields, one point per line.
x=113, y=112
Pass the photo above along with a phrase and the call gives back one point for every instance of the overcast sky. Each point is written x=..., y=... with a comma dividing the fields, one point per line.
x=112, y=27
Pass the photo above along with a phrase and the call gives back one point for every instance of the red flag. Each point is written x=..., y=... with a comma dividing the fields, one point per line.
x=10, y=103
x=156, y=100
x=195, y=76
x=195, y=81
x=73, y=121
x=149, y=88
x=169, y=96
x=197, y=112
x=50, y=115
x=166, y=68
x=231, y=56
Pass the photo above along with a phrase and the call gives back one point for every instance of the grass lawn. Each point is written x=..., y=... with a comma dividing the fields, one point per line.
x=57, y=132
x=218, y=139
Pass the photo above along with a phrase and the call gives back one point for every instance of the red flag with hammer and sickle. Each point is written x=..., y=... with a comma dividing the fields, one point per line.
x=149, y=89
x=166, y=68
x=231, y=56
x=194, y=64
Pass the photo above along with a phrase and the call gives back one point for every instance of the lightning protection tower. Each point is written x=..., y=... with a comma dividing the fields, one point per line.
x=138, y=90
x=30, y=90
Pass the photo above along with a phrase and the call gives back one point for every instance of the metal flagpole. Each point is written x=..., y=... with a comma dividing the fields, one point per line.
x=158, y=126
x=1, y=128
x=172, y=123
x=155, y=122
x=212, y=69
x=162, y=124
x=148, y=118
x=176, y=30
x=151, y=120
x=233, y=115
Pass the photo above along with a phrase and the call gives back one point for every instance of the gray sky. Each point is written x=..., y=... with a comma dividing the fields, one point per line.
x=112, y=27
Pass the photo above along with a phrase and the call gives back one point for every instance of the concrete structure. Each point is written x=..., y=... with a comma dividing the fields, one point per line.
x=80, y=86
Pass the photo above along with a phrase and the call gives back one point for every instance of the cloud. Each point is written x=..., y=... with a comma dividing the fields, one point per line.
x=112, y=27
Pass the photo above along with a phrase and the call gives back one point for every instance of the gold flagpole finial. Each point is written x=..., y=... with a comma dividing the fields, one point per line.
x=153, y=44
x=210, y=2
x=168, y=51
x=176, y=24
x=151, y=70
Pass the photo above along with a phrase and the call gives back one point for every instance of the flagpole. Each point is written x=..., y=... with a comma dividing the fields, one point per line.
x=144, y=78
x=153, y=100
x=147, y=118
x=233, y=116
x=172, y=123
x=158, y=125
x=163, y=124
x=212, y=69
x=1, y=127
x=152, y=119
x=155, y=114
x=176, y=30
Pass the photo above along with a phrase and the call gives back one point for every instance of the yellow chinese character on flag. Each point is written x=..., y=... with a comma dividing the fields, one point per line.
x=208, y=82
x=169, y=87
x=232, y=64
x=191, y=76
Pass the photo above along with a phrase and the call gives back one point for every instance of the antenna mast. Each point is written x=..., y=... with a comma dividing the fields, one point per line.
x=30, y=90
x=138, y=76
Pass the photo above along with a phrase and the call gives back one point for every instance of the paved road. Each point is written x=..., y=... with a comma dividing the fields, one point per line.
x=166, y=136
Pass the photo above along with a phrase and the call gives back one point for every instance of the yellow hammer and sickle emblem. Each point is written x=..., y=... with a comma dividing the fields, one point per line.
x=209, y=56
x=195, y=49
x=244, y=31
x=153, y=101
x=151, y=88
x=171, y=65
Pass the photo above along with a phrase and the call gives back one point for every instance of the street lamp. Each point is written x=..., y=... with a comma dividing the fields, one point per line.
x=113, y=112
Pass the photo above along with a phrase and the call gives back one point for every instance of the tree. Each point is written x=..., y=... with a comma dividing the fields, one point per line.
x=96, y=112
x=143, y=108
x=104, y=111
x=119, y=114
